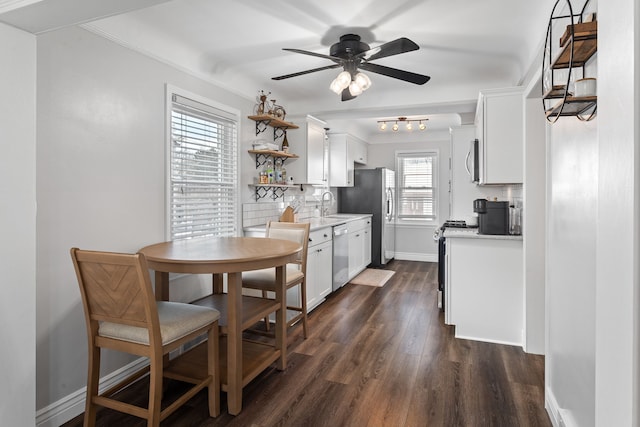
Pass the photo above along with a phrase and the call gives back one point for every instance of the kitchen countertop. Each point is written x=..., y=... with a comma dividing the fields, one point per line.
x=473, y=234
x=318, y=223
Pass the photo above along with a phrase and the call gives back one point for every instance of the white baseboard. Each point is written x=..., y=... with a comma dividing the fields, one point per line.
x=416, y=256
x=72, y=405
x=559, y=417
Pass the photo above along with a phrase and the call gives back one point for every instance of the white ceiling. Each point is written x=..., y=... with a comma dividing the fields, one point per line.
x=465, y=46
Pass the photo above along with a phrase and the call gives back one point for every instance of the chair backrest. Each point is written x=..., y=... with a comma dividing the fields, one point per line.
x=295, y=231
x=116, y=288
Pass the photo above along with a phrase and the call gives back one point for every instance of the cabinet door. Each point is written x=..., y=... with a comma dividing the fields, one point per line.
x=312, y=278
x=309, y=143
x=315, y=155
x=319, y=273
x=501, y=137
x=340, y=163
x=367, y=245
x=357, y=151
x=356, y=252
x=325, y=276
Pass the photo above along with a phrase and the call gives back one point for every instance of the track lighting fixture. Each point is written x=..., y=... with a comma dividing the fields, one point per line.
x=382, y=124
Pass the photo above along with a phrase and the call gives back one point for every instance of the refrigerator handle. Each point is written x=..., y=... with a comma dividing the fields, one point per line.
x=389, y=212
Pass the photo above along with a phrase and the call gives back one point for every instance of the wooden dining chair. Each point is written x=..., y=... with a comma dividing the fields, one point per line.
x=122, y=314
x=295, y=274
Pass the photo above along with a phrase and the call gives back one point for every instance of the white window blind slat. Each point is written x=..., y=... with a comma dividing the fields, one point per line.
x=416, y=187
x=203, y=175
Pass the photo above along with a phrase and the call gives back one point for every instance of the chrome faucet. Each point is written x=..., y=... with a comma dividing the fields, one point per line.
x=332, y=199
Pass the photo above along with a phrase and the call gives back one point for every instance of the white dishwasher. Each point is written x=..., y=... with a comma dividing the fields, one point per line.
x=340, y=256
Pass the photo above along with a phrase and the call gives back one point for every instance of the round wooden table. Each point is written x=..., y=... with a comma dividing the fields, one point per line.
x=231, y=256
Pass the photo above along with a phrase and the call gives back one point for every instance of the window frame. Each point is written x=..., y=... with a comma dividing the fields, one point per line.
x=433, y=153
x=228, y=113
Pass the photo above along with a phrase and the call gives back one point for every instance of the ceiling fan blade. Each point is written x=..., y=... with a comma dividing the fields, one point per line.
x=319, y=55
x=346, y=95
x=407, y=76
x=286, y=76
x=394, y=47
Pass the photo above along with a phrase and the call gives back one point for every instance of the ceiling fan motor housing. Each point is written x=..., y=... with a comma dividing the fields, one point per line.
x=348, y=46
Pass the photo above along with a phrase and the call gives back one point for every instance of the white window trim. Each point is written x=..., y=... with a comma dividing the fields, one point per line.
x=235, y=113
x=436, y=183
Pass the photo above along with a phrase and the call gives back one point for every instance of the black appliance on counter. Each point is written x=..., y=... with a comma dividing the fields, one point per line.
x=493, y=217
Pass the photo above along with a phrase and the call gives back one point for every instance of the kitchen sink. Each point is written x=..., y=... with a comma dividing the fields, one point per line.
x=344, y=215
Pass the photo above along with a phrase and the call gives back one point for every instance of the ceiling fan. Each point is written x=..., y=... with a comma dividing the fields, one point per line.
x=352, y=55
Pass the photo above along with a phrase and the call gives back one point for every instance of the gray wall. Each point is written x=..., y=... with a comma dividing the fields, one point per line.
x=100, y=183
x=18, y=219
x=416, y=242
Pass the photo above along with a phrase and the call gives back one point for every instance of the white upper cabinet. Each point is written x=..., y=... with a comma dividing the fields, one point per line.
x=345, y=150
x=499, y=125
x=357, y=150
x=310, y=144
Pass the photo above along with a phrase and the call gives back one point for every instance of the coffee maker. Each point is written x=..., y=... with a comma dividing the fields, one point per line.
x=493, y=216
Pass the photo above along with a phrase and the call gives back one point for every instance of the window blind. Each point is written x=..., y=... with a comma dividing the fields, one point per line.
x=203, y=170
x=416, y=186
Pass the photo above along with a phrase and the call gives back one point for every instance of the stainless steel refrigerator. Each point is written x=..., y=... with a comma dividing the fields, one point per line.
x=374, y=192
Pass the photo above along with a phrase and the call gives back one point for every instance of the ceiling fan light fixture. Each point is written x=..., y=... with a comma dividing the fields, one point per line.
x=363, y=81
x=354, y=88
x=336, y=87
x=344, y=79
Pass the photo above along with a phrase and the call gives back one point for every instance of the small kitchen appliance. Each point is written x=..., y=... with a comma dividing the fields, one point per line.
x=493, y=216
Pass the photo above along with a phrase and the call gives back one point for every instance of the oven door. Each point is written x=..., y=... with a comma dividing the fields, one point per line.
x=441, y=270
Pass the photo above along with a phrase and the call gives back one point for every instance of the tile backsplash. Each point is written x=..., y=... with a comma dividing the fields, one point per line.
x=263, y=211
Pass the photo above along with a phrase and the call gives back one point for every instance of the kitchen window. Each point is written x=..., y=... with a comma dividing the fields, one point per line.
x=202, y=174
x=417, y=193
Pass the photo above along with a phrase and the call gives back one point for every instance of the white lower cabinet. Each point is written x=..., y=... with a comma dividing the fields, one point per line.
x=367, y=243
x=319, y=267
x=359, y=246
x=484, y=289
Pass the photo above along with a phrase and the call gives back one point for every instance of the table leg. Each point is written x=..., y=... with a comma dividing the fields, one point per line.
x=281, y=317
x=218, y=283
x=234, y=343
x=162, y=286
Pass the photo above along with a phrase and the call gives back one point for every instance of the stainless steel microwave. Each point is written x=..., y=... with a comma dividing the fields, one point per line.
x=472, y=161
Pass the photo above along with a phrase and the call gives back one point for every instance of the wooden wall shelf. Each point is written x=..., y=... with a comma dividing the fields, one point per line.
x=272, y=121
x=577, y=45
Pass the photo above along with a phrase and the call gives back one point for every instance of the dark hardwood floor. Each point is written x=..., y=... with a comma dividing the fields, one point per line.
x=379, y=357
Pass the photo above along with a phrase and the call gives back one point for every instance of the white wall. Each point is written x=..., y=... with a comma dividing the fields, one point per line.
x=618, y=253
x=534, y=223
x=593, y=206
x=416, y=242
x=100, y=185
x=572, y=198
x=18, y=219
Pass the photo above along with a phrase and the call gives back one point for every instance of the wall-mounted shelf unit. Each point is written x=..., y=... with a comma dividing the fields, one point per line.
x=263, y=155
x=264, y=121
x=576, y=47
x=277, y=190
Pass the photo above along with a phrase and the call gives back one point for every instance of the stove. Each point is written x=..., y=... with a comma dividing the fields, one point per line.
x=438, y=236
x=454, y=223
